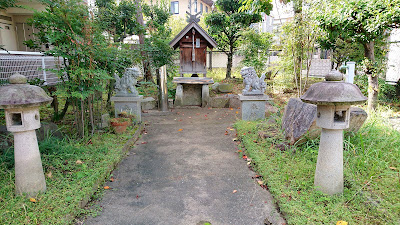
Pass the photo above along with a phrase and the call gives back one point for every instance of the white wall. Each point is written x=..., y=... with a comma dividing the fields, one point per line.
x=393, y=70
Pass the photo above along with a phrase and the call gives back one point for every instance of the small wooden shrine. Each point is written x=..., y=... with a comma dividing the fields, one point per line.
x=193, y=42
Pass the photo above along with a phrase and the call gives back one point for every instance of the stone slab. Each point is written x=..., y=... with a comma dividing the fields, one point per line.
x=193, y=80
x=149, y=103
x=220, y=102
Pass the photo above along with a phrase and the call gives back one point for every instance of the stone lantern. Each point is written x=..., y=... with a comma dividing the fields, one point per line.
x=333, y=99
x=21, y=102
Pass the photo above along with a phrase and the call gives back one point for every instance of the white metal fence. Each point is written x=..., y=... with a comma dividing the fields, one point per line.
x=30, y=64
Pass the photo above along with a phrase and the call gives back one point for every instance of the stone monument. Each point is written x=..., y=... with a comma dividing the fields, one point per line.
x=127, y=98
x=253, y=99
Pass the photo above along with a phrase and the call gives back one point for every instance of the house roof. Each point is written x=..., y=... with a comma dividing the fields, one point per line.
x=208, y=2
x=210, y=41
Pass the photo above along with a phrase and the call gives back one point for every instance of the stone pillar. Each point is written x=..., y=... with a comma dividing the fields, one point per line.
x=329, y=170
x=29, y=176
x=253, y=106
x=130, y=105
x=205, y=96
x=179, y=95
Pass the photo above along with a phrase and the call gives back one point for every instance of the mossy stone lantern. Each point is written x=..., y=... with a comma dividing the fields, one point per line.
x=21, y=103
x=333, y=99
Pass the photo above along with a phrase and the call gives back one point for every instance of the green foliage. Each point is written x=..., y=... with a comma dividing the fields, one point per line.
x=4, y=4
x=88, y=59
x=264, y=6
x=255, y=47
x=119, y=20
x=298, y=39
x=73, y=171
x=371, y=174
x=226, y=27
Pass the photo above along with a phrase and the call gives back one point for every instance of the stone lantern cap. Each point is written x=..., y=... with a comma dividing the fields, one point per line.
x=20, y=94
x=333, y=91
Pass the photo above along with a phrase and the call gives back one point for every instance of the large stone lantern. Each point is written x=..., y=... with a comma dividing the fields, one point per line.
x=333, y=99
x=21, y=102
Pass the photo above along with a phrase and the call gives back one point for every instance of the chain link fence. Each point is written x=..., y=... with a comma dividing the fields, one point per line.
x=32, y=65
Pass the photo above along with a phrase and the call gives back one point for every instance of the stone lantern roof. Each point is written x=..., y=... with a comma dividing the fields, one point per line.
x=20, y=94
x=333, y=91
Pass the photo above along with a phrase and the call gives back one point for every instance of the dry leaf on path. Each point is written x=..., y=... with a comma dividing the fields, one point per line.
x=106, y=187
x=32, y=200
x=79, y=162
x=234, y=191
x=392, y=168
x=180, y=130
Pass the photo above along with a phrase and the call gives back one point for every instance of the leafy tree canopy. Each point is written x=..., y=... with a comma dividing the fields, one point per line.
x=227, y=24
x=4, y=4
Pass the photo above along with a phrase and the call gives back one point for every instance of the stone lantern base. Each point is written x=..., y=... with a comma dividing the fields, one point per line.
x=253, y=106
x=130, y=105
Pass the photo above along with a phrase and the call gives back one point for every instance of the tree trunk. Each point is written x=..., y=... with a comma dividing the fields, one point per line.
x=229, y=65
x=373, y=86
x=146, y=65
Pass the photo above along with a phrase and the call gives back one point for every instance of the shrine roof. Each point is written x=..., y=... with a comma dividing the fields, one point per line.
x=210, y=41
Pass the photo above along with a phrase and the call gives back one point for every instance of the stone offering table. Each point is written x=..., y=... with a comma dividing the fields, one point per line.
x=192, y=91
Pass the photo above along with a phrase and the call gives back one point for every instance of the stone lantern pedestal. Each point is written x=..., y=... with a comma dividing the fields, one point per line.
x=333, y=99
x=21, y=102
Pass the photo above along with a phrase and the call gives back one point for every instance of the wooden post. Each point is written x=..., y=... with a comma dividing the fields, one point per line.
x=210, y=60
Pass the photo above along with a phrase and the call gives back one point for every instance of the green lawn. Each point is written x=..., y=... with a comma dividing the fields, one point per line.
x=371, y=172
x=74, y=171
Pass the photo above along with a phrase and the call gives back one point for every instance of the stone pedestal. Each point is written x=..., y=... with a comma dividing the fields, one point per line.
x=131, y=105
x=329, y=170
x=253, y=106
x=192, y=91
x=29, y=176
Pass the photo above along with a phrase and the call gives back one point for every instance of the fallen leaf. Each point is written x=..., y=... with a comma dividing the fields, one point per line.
x=341, y=222
x=144, y=142
x=226, y=133
x=190, y=117
x=180, y=130
x=137, y=196
x=260, y=182
x=32, y=200
x=231, y=129
x=49, y=174
x=245, y=157
x=231, y=108
x=237, y=112
x=234, y=191
x=205, y=115
x=79, y=162
x=106, y=187
x=239, y=150
x=392, y=168
x=111, y=179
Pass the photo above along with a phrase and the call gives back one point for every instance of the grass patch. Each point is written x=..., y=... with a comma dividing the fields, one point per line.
x=371, y=173
x=72, y=169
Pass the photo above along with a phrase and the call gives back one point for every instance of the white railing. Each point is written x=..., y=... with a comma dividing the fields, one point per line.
x=30, y=64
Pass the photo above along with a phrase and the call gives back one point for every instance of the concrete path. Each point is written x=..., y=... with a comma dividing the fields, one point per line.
x=185, y=170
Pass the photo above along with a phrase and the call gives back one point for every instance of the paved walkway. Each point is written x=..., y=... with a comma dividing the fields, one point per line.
x=185, y=170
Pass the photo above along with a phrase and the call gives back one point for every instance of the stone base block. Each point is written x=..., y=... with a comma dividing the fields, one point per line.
x=149, y=103
x=220, y=102
x=253, y=106
x=130, y=105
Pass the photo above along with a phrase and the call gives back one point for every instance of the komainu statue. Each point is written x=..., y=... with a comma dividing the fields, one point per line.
x=125, y=86
x=253, y=85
